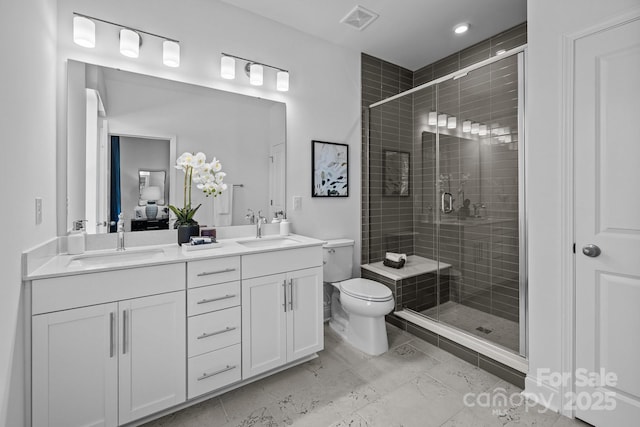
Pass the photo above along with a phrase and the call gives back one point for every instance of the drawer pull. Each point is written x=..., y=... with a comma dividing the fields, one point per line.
x=209, y=273
x=210, y=334
x=205, y=375
x=206, y=300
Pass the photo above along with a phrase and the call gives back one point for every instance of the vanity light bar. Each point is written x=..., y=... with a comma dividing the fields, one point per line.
x=255, y=71
x=84, y=34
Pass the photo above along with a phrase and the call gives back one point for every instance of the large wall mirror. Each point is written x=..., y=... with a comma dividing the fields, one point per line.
x=125, y=130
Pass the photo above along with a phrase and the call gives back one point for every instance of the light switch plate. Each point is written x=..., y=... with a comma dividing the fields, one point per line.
x=297, y=203
x=38, y=210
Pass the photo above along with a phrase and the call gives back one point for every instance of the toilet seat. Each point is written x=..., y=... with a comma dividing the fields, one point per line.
x=367, y=290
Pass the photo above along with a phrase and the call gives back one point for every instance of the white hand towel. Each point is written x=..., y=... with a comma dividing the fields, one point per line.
x=392, y=256
x=223, y=207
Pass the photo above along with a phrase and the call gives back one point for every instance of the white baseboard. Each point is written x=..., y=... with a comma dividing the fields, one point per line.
x=544, y=394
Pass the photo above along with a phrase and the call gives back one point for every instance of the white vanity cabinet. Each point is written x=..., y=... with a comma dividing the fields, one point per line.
x=109, y=357
x=282, y=314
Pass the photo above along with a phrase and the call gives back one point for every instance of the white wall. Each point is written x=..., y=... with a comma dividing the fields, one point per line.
x=548, y=22
x=323, y=101
x=28, y=123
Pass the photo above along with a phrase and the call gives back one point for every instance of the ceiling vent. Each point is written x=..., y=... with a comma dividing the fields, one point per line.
x=359, y=18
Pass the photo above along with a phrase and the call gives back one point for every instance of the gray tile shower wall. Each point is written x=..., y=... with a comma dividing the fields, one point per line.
x=484, y=257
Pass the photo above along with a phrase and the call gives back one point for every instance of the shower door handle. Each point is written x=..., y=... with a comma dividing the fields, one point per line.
x=446, y=203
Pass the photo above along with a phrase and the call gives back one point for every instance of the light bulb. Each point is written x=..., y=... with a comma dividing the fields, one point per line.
x=282, y=81
x=466, y=126
x=482, y=131
x=228, y=68
x=171, y=53
x=475, y=128
x=442, y=120
x=84, y=32
x=255, y=74
x=433, y=118
x=452, y=122
x=129, y=43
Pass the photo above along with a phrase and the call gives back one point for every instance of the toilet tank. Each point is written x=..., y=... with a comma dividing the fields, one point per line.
x=337, y=256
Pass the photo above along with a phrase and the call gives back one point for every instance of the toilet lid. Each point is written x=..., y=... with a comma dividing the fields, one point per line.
x=366, y=289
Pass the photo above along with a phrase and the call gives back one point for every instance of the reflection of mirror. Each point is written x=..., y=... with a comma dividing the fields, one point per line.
x=396, y=173
x=246, y=134
x=151, y=187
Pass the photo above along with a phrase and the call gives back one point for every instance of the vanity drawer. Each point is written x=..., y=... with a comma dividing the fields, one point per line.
x=213, y=331
x=267, y=263
x=212, y=271
x=61, y=293
x=212, y=298
x=214, y=370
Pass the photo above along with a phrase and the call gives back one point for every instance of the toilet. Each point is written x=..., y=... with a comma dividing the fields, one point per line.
x=358, y=306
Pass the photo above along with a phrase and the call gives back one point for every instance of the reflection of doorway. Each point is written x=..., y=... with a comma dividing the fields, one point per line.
x=130, y=155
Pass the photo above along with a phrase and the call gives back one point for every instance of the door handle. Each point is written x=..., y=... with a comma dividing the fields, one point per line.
x=112, y=334
x=446, y=203
x=291, y=294
x=124, y=331
x=284, y=290
x=591, y=250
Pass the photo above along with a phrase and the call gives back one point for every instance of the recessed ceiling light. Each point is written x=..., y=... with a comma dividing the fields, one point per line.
x=461, y=28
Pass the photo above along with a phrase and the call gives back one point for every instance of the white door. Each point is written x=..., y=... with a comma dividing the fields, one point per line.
x=607, y=215
x=305, y=333
x=264, y=324
x=75, y=368
x=152, y=354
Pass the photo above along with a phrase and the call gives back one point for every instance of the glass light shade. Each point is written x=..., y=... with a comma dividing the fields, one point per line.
x=282, y=81
x=171, y=53
x=228, y=68
x=432, y=120
x=255, y=74
x=466, y=126
x=452, y=122
x=84, y=32
x=442, y=120
x=475, y=128
x=482, y=131
x=129, y=43
x=151, y=193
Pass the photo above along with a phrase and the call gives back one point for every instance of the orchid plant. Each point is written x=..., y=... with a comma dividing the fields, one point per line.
x=208, y=177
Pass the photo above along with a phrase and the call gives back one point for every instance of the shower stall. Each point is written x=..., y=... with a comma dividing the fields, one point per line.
x=444, y=184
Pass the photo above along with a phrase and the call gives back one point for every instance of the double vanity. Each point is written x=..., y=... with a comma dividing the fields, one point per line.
x=121, y=337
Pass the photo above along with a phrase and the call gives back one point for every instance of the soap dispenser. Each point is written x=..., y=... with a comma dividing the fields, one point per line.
x=285, y=226
x=76, y=238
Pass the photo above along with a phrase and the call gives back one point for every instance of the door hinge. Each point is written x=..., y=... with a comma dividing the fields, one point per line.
x=574, y=248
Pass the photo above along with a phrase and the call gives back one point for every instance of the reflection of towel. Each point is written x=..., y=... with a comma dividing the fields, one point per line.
x=223, y=207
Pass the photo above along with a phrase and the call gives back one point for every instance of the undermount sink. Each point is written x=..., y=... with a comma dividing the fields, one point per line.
x=115, y=257
x=269, y=242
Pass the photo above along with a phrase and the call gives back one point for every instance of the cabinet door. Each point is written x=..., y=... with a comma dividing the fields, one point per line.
x=75, y=367
x=305, y=327
x=264, y=341
x=152, y=354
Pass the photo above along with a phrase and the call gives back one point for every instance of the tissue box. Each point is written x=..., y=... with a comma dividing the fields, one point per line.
x=393, y=264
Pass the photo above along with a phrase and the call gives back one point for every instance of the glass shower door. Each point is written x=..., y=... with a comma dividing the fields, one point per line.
x=477, y=199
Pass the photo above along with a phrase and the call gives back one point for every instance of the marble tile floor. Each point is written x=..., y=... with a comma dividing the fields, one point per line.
x=504, y=332
x=413, y=384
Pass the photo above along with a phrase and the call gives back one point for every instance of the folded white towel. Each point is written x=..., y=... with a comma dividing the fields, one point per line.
x=392, y=256
x=223, y=207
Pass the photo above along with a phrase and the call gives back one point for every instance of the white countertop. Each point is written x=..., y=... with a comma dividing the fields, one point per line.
x=59, y=265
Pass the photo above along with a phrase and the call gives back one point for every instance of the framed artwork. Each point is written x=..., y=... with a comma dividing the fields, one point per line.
x=396, y=173
x=330, y=166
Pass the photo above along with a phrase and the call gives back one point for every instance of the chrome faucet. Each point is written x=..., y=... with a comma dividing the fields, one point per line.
x=260, y=220
x=120, y=229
